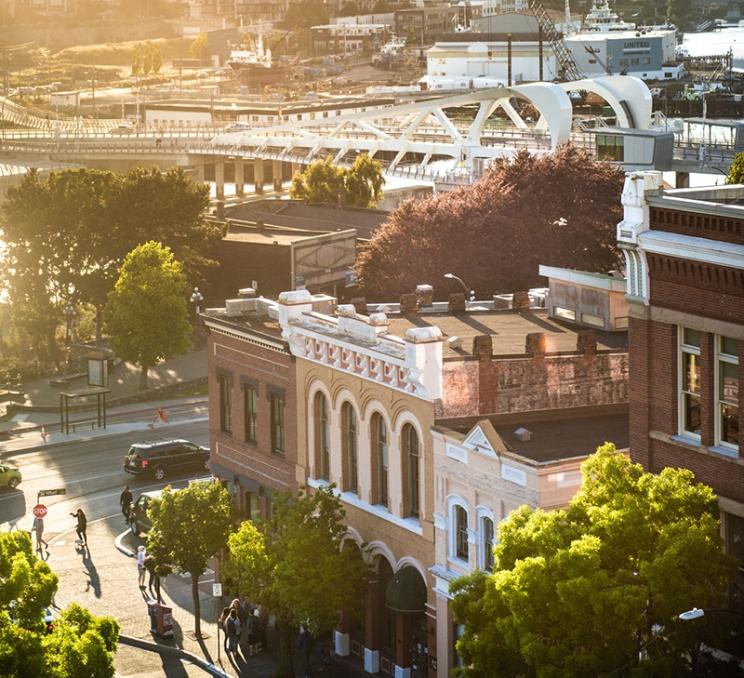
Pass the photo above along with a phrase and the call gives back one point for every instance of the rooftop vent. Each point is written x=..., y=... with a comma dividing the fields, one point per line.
x=455, y=342
x=523, y=435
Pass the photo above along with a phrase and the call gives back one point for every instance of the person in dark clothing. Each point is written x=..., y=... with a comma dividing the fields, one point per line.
x=306, y=647
x=82, y=525
x=125, y=500
x=150, y=567
x=221, y=621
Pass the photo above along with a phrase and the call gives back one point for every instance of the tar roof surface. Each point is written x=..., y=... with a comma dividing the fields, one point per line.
x=563, y=439
x=320, y=218
x=509, y=330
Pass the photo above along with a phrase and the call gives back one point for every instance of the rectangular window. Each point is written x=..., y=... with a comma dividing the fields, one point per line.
x=593, y=320
x=225, y=385
x=277, y=424
x=488, y=535
x=727, y=377
x=565, y=313
x=689, y=413
x=250, y=400
x=610, y=147
x=461, y=533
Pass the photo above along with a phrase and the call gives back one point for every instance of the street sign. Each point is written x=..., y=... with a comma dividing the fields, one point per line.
x=51, y=493
x=40, y=510
x=217, y=589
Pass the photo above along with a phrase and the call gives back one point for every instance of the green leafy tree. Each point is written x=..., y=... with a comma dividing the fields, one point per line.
x=66, y=237
x=736, y=171
x=198, y=48
x=302, y=14
x=147, y=314
x=295, y=565
x=189, y=526
x=323, y=182
x=80, y=646
x=595, y=589
x=678, y=12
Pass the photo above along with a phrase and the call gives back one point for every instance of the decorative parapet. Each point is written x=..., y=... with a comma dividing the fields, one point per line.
x=635, y=222
x=361, y=345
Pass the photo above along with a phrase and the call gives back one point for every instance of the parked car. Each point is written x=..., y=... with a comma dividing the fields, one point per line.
x=10, y=476
x=139, y=521
x=165, y=457
x=238, y=127
x=124, y=127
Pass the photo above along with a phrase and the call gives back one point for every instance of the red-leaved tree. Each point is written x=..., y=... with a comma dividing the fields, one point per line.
x=558, y=209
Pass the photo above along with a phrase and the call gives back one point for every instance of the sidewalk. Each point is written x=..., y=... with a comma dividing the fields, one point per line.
x=104, y=580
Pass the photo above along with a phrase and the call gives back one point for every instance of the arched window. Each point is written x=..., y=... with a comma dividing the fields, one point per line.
x=322, y=437
x=379, y=460
x=461, y=532
x=411, y=472
x=487, y=538
x=349, y=448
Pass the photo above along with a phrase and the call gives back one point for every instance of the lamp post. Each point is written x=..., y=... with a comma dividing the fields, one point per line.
x=196, y=298
x=470, y=293
x=698, y=613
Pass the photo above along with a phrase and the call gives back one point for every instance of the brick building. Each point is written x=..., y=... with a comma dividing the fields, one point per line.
x=253, y=434
x=684, y=250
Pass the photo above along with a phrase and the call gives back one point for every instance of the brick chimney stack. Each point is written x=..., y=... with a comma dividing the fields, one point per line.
x=586, y=342
x=408, y=303
x=457, y=303
x=425, y=296
x=535, y=344
x=483, y=346
x=521, y=301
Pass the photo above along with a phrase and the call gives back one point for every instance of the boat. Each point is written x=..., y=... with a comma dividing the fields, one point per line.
x=255, y=68
x=601, y=19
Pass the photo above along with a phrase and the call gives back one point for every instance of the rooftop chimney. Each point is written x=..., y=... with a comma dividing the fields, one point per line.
x=483, y=346
x=457, y=303
x=425, y=295
x=408, y=303
x=521, y=301
x=535, y=344
x=586, y=342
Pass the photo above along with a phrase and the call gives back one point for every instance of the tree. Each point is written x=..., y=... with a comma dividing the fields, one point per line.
x=67, y=236
x=80, y=645
x=189, y=526
x=736, y=171
x=595, y=589
x=302, y=14
x=678, y=12
x=324, y=182
x=295, y=565
x=495, y=233
x=147, y=313
x=198, y=48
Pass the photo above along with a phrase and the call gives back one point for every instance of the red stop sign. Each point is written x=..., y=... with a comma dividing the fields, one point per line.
x=40, y=510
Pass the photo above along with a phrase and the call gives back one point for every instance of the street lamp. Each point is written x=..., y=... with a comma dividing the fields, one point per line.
x=470, y=293
x=196, y=298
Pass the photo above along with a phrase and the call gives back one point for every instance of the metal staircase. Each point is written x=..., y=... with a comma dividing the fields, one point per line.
x=568, y=68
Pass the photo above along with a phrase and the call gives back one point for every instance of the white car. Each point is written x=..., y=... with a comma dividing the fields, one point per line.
x=238, y=127
x=124, y=127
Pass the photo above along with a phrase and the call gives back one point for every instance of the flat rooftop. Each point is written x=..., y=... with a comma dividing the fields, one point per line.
x=508, y=328
x=704, y=199
x=295, y=214
x=552, y=439
x=257, y=322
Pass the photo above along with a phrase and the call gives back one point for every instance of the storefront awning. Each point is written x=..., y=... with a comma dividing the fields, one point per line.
x=406, y=592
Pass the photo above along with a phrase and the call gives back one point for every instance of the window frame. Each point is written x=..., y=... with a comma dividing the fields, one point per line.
x=322, y=436
x=460, y=543
x=486, y=553
x=412, y=498
x=350, y=448
x=728, y=359
x=277, y=423
x=381, y=456
x=224, y=386
x=250, y=414
x=684, y=349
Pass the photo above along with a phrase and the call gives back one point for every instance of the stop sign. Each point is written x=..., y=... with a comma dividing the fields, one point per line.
x=40, y=510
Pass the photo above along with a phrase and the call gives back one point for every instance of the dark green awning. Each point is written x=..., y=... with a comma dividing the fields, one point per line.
x=406, y=592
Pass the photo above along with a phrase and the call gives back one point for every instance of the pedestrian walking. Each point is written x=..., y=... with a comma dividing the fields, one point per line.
x=125, y=501
x=151, y=569
x=232, y=631
x=141, y=555
x=305, y=645
x=44, y=435
x=82, y=526
x=221, y=620
x=38, y=528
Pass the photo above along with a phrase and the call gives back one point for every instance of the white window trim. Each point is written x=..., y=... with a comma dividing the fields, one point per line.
x=683, y=348
x=452, y=501
x=726, y=448
x=482, y=512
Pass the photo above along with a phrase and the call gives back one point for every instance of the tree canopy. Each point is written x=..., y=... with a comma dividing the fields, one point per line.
x=147, y=312
x=582, y=591
x=736, y=171
x=189, y=526
x=67, y=235
x=324, y=182
x=80, y=645
x=294, y=564
x=559, y=209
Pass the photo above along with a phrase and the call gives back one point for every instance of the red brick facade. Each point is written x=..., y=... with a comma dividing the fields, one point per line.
x=255, y=466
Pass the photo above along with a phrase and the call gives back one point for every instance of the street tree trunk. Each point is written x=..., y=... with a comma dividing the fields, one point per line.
x=197, y=605
x=143, y=377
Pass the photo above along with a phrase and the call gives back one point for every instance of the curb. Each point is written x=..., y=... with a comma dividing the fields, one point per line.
x=151, y=646
x=120, y=547
x=138, y=427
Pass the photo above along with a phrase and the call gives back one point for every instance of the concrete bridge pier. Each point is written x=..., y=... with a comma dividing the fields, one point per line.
x=296, y=168
x=239, y=177
x=219, y=179
x=199, y=175
x=258, y=175
x=277, y=167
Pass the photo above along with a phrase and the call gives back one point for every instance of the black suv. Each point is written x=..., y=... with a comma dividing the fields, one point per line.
x=165, y=457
